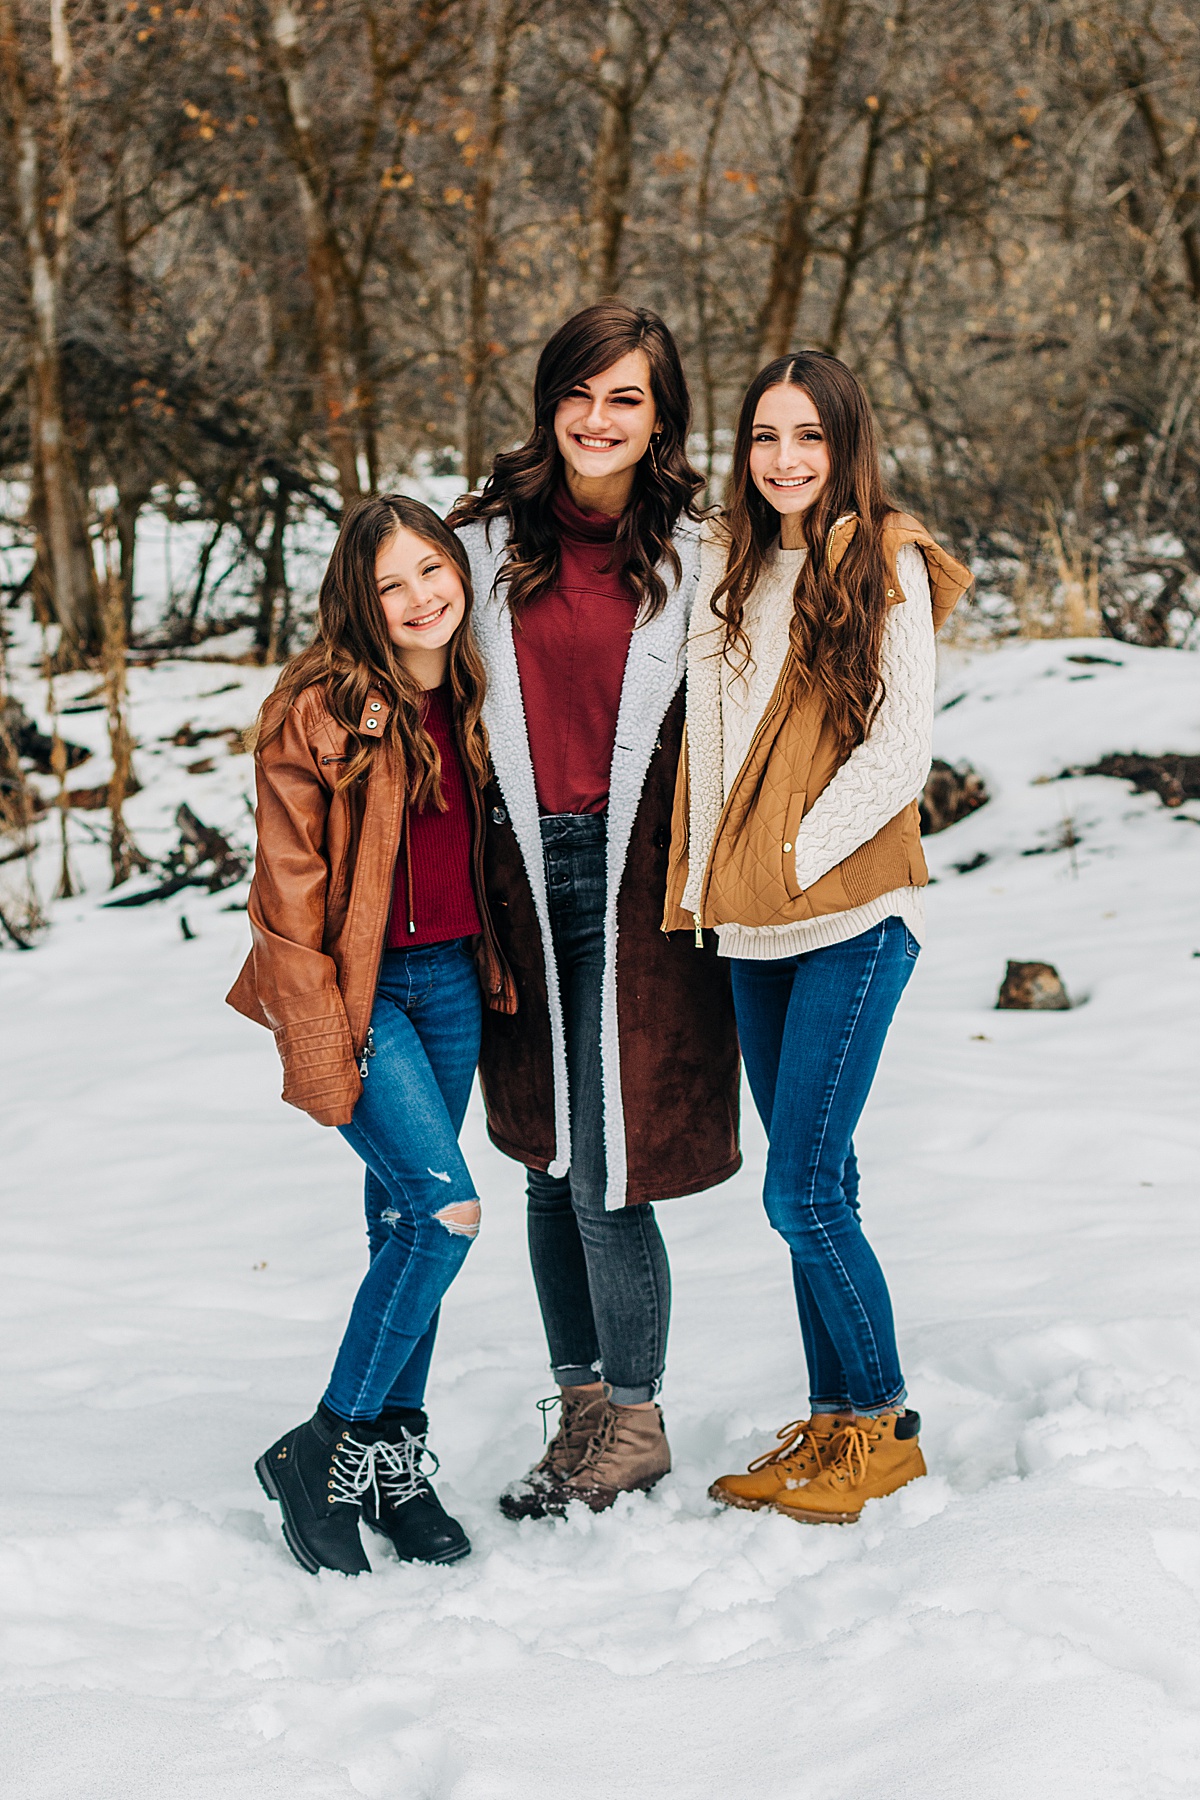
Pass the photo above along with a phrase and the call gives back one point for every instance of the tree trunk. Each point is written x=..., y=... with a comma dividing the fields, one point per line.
x=62, y=528
x=279, y=34
x=478, y=353
x=810, y=142
x=274, y=580
x=612, y=162
x=124, y=854
x=854, y=255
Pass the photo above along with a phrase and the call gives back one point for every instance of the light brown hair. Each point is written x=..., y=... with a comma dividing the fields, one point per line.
x=353, y=654
x=839, y=613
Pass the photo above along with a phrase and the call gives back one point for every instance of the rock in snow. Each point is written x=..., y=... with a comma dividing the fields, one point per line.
x=181, y=1249
x=1032, y=987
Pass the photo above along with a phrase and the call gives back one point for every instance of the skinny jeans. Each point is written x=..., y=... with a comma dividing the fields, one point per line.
x=812, y=1029
x=425, y=1037
x=602, y=1278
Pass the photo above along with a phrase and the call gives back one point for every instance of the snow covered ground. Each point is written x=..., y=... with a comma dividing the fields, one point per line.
x=180, y=1250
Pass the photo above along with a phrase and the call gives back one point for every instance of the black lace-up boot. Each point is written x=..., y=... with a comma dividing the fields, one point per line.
x=319, y=1472
x=401, y=1505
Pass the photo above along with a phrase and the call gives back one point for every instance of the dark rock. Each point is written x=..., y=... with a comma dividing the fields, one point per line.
x=1032, y=987
x=950, y=794
x=980, y=860
x=1174, y=778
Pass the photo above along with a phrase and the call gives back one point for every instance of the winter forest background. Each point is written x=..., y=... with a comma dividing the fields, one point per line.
x=260, y=257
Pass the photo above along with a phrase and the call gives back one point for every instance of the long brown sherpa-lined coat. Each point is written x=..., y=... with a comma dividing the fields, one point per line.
x=668, y=1049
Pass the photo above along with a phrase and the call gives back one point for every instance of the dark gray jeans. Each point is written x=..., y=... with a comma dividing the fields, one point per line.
x=602, y=1278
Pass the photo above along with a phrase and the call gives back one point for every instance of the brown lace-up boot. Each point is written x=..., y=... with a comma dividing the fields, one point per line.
x=628, y=1453
x=801, y=1453
x=580, y=1415
x=869, y=1458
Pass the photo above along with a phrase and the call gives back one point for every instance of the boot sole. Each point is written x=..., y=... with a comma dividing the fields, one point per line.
x=556, y=1505
x=267, y=1482
x=843, y=1518
x=816, y=1518
x=451, y=1556
x=723, y=1498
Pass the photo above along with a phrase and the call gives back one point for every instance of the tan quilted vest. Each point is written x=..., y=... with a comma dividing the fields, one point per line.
x=751, y=873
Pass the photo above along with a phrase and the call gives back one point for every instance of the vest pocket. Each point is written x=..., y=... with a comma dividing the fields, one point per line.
x=791, y=826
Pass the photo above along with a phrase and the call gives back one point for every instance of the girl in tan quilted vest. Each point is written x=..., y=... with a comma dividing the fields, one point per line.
x=796, y=837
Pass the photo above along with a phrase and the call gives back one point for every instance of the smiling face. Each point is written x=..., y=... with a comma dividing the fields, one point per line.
x=422, y=596
x=789, y=456
x=603, y=429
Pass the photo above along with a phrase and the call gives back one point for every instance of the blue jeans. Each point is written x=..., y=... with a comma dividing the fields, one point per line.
x=425, y=1031
x=602, y=1278
x=812, y=1029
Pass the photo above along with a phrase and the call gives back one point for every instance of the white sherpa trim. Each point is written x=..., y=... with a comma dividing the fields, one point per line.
x=705, y=730
x=508, y=738
x=653, y=672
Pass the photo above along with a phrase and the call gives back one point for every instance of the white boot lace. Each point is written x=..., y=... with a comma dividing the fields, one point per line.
x=402, y=1478
x=352, y=1470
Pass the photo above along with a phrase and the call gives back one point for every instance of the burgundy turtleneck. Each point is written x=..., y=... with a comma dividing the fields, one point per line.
x=436, y=848
x=572, y=644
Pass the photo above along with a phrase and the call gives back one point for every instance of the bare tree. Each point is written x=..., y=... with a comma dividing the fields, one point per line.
x=46, y=225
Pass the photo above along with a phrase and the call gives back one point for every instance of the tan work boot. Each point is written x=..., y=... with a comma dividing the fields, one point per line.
x=801, y=1453
x=868, y=1458
x=581, y=1414
x=627, y=1454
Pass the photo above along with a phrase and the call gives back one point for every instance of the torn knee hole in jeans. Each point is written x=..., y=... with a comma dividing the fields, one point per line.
x=461, y=1219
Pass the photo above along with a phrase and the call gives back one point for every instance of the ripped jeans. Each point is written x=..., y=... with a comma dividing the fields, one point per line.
x=422, y=1209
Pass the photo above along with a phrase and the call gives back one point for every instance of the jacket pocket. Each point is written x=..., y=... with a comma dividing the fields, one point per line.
x=791, y=828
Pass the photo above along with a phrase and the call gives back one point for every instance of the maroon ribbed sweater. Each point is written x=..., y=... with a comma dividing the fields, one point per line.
x=572, y=645
x=439, y=850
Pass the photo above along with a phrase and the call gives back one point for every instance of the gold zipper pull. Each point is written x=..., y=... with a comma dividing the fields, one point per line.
x=699, y=931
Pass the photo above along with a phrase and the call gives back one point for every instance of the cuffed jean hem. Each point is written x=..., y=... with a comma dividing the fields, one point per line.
x=576, y=1374
x=634, y=1396
x=876, y=1412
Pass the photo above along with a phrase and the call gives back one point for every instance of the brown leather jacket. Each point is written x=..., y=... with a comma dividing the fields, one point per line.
x=320, y=900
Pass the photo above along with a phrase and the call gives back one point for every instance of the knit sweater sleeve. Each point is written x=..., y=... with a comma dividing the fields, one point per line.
x=889, y=768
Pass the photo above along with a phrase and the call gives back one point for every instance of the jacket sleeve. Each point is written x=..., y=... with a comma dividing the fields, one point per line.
x=890, y=767
x=296, y=982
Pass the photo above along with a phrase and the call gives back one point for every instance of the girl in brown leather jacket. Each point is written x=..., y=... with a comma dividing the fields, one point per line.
x=371, y=940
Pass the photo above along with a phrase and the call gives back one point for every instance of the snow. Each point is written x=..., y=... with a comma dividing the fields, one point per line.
x=181, y=1250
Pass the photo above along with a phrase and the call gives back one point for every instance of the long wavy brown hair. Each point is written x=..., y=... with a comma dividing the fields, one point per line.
x=522, y=484
x=839, y=613
x=353, y=655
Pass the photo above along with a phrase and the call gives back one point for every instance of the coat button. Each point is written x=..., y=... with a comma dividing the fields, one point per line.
x=372, y=724
x=787, y=846
x=891, y=593
x=375, y=705
x=499, y=816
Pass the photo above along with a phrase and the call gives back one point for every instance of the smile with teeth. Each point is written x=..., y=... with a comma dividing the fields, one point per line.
x=426, y=619
x=789, y=481
x=596, y=443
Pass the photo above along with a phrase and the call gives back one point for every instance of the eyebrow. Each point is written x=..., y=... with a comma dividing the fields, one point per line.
x=630, y=388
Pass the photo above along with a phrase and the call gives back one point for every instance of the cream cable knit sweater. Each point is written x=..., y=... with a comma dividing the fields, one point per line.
x=876, y=781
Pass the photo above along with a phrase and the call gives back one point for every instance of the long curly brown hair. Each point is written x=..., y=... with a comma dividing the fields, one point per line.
x=839, y=613
x=353, y=655
x=523, y=483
